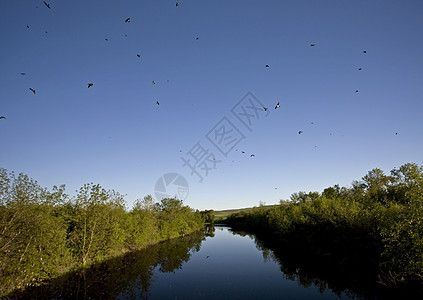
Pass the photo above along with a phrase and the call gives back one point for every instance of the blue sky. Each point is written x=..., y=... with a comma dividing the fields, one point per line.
x=115, y=134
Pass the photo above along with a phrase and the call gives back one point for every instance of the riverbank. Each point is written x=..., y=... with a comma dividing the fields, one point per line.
x=47, y=233
x=373, y=230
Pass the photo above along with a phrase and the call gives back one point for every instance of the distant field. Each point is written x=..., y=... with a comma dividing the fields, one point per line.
x=223, y=214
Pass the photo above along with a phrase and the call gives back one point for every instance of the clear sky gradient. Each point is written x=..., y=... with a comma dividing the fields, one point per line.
x=115, y=134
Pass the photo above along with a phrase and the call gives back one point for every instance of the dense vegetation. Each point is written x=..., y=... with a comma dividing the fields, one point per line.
x=46, y=233
x=375, y=226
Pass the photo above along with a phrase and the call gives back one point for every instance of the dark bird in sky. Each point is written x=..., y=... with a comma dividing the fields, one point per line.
x=265, y=108
x=128, y=20
x=138, y=55
x=32, y=90
x=23, y=73
x=277, y=105
x=312, y=45
x=153, y=82
x=48, y=5
x=27, y=26
x=356, y=91
x=360, y=69
x=312, y=123
x=267, y=66
x=2, y=117
x=252, y=155
x=396, y=133
x=364, y=51
x=197, y=38
x=106, y=39
x=242, y=151
x=90, y=85
x=207, y=256
x=299, y=132
x=157, y=102
x=46, y=31
x=177, y=4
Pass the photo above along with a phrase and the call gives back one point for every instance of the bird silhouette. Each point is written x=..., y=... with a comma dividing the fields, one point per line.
x=265, y=108
x=197, y=38
x=32, y=90
x=23, y=73
x=396, y=133
x=299, y=132
x=207, y=256
x=138, y=55
x=153, y=82
x=157, y=102
x=2, y=117
x=177, y=4
x=267, y=66
x=277, y=105
x=364, y=51
x=356, y=91
x=90, y=85
x=360, y=69
x=106, y=39
x=48, y=5
x=27, y=26
x=128, y=20
x=312, y=45
x=252, y=155
x=312, y=123
x=243, y=151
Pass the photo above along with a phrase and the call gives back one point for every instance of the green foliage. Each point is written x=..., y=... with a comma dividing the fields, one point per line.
x=46, y=233
x=379, y=219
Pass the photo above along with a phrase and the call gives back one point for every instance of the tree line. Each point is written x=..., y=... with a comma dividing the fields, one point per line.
x=374, y=226
x=45, y=233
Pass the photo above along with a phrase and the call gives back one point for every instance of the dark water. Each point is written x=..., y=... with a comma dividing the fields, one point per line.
x=224, y=264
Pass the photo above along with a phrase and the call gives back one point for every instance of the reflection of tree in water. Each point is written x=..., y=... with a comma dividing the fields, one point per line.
x=128, y=276
x=308, y=273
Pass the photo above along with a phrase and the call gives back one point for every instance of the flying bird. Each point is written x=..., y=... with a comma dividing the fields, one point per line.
x=360, y=69
x=312, y=123
x=277, y=105
x=396, y=133
x=267, y=66
x=2, y=117
x=252, y=155
x=157, y=102
x=356, y=91
x=153, y=82
x=207, y=256
x=128, y=20
x=243, y=151
x=312, y=45
x=177, y=4
x=106, y=39
x=197, y=38
x=299, y=132
x=27, y=26
x=265, y=108
x=90, y=85
x=138, y=55
x=364, y=51
x=48, y=5
x=32, y=90
x=23, y=73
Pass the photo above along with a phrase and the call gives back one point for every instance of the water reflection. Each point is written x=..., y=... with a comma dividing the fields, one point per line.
x=294, y=266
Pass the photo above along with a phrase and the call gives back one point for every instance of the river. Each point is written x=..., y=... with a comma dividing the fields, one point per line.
x=223, y=264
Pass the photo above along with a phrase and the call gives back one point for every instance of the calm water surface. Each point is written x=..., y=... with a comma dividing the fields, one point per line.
x=221, y=264
x=228, y=266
